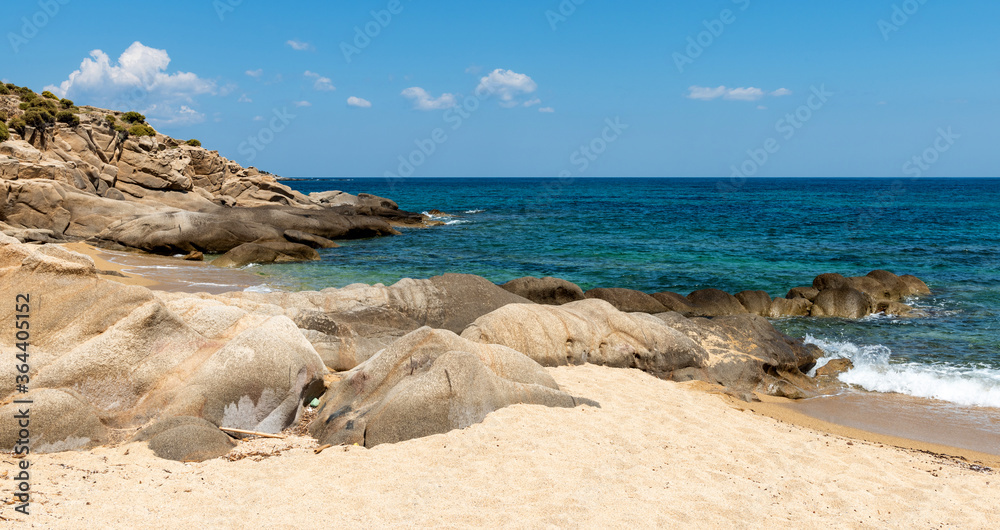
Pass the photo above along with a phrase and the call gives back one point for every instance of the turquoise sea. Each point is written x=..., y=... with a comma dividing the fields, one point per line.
x=687, y=234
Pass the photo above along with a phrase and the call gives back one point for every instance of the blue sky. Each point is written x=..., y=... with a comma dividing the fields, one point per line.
x=528, y=88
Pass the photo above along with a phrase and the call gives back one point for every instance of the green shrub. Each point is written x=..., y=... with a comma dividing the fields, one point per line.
x=4, y=90
x=110, y=118
x=3, y=115
x=193, y=142
x=11, y=86
x=66, y=103
x=67, y=117
x=4, y=133
x=133, y=117
x=50, y=95
x=120, y=128
x=26, y=93
x=17, y=125
x=24, y=105
x=38, y=118
x=141, y=129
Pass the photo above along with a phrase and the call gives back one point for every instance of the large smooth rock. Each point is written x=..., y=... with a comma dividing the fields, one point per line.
x=896, y=288
x=266, y=252
x=131, y=359
x=784, y=307
x=429, y=382
x=713, y=302
x=915, y=286
x=588, y=331
x=842, y=302
x=547, y=290
x=349, y=325
x=756, y=302
x=185, y=439
x=627, y=300
x=678, y=303
x=59, y=421
x=830, y=280
x=807, y=292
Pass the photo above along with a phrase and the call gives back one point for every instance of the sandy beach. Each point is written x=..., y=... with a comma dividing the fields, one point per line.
x=656, y=454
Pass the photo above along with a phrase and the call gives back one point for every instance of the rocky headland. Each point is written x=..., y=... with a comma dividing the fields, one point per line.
x=71, y=173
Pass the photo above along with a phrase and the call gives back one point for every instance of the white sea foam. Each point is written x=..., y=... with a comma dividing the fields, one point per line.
x=970, y=386
x=474, y=211
x=456, y=222
x=258, y=289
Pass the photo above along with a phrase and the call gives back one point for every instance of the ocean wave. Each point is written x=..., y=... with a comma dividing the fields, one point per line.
x=474, y=211
x=259, y=289
x=969, y=386
x=456, y=222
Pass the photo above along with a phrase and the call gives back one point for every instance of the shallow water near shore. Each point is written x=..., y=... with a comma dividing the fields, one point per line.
x=687, y=234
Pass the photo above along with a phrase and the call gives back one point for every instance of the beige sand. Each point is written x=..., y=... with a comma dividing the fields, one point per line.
x=166, y=273
x=655, y=455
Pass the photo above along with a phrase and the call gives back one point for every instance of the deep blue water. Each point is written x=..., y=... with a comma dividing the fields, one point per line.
x=686, y=234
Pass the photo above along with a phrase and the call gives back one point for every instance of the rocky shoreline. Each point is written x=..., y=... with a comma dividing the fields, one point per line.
x=89, y=178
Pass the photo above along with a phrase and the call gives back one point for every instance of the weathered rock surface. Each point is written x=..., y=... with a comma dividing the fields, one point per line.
x=755, y=302
x=678, y=303
x=185, y=439
x=842, y=302
x=588, y=331
x=111, y=356
x=347, y=326
x=713, y=302
x=784, y=307
x=266, y=252
x=627, y=300
x=429, y=382
x=547, y=290
x=159, y=195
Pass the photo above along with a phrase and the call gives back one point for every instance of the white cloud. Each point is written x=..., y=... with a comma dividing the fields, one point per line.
x=358, y=102
x=322, y=83
x=548, y=110
x=245, y=99
x=302, y=104
x=506, y=84
x=423, y=101
x=299, y=45
x=735, y=94
x=761, y=107
x=474, y=70
x=258, y=118
x=255, y=73
x=532, y=102
x=138, y=80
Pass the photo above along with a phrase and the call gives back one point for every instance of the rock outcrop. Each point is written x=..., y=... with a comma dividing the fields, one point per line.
x=627, y=300
x=266, y=252
x=429, y=382
x=106, y=356
x=91, y=181
x=548, y=290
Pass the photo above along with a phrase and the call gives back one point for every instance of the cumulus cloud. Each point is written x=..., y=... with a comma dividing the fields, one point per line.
x=138, y=80
x=302, y=104
x=255, y=73
x=423, y=101
x=507, y=85
x=299, y=46
x=321, y=83
x=735, y=94
x=245, y=99
x=358, y=102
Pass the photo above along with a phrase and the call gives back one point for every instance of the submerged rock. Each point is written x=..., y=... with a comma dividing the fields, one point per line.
x=266, y=252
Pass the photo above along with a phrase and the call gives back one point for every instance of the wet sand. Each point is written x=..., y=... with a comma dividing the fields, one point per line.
x=167, y=273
